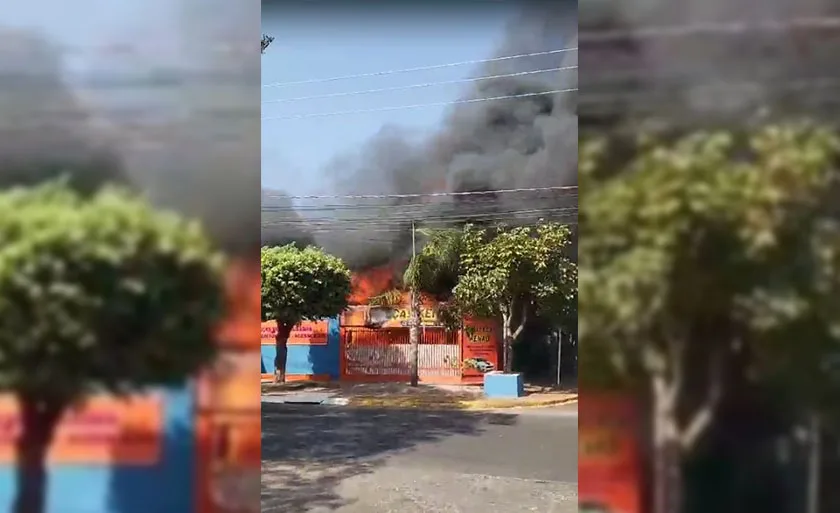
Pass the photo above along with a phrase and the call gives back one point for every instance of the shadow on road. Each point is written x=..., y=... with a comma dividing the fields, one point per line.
x=309, y=452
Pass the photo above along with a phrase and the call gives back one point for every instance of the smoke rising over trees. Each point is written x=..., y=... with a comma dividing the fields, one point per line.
x=503, y=144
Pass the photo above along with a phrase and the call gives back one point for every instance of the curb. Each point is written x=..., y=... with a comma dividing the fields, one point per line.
x=463, y=405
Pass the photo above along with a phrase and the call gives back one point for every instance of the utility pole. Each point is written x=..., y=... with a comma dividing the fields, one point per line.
x=559, y=357
x=814, y=465
x=414, y=323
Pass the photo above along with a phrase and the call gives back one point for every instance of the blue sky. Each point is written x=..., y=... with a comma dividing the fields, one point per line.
x=314, y=44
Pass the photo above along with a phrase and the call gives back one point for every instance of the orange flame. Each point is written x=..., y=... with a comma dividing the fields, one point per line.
x=372, y=282
x=240, y=327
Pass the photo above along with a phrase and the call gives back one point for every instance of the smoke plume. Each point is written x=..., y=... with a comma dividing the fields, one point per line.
x=712, y=62
x=174, y=111
x=505, y=144
x=44, y=132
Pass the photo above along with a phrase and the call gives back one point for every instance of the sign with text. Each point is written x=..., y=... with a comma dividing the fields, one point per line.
x=480, y=348
x=105, y=430
x=401, y=318
x=306, y=333
x=609, y=460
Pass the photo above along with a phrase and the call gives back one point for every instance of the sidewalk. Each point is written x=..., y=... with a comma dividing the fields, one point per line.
x=400, y=395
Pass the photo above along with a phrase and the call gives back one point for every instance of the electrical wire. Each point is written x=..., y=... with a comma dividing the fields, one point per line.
x=420, y=68
x=418, y=86
x=417, y=106
x=426, y=194
x=398, y=224
x=732, y=28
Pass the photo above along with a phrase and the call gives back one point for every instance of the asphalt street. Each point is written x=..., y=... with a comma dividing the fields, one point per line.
x=319, y=459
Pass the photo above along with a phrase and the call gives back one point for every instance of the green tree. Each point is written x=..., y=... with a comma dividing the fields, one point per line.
x=300, y=284
x=97, y=294
x=703, y=259
x=511, y=273
x=432, y=270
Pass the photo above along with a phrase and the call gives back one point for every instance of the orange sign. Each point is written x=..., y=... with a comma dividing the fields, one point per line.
x=609, y=461
x=307, y=333
x=105, y=430
x=480, y=348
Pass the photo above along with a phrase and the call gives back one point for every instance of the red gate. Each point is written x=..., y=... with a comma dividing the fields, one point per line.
x=369, y=354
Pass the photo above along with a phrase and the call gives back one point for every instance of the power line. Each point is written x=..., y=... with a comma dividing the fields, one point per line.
x=427, y=194
x=398, y=224
x=418, y=86
x=419, y=216
x=652, y=92
x=418, y=105
x=390, y=208
x=732, y=28
x=419, y=68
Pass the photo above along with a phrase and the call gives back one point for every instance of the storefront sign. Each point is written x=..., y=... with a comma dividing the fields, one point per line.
x=480, y=348
x=307, y=333
x=104, y=431
x=609, y=461
x=402, y=318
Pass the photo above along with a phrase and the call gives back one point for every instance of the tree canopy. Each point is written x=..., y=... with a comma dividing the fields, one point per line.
x=705, y=259
x=98, y=292
x=101, y=293
x=300, y=284
x=505, y=269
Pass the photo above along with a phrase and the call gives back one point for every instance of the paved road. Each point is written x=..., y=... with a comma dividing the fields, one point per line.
x=324, y=460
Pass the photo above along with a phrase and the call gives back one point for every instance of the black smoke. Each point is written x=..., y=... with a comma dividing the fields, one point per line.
x=716, y=62
x=45, y=132
x=174, y=114
x=516, y=143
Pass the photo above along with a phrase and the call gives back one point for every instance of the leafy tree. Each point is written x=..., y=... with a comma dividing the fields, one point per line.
x=300, y=284
x=432, y=270
x=97, y=293
x=512, y=272
x=702, y=260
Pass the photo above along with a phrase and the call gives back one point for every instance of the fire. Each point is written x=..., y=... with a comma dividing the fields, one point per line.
x=240, y=325
x=372, y=282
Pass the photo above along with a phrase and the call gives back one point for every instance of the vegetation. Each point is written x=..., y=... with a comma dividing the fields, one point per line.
x=300, y=284
x=509, y=273
x=703, y=259
x=97, y=293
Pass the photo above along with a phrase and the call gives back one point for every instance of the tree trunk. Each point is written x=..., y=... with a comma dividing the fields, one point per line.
x=414, y=338
x=507, y=344
x=38, y=424
x=281, y=343
x=667, y=454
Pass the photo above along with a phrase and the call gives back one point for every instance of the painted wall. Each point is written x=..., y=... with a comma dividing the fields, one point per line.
x=160, y=488
x=308, y=360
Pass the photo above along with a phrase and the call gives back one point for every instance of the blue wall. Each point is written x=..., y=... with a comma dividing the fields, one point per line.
x=162, y=488
x=308, y=360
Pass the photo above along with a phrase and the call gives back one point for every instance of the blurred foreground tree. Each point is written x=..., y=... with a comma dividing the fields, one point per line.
x=97, y=293
x=300, y=284
x=704, y=258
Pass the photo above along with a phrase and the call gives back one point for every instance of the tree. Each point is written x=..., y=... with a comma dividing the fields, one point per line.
x=97, y=294
x=427, y=269
x=701, y=260
x=300, y=284
x=510, y=273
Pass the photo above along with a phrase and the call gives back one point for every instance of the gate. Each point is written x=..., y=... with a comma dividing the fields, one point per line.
x=375, y=355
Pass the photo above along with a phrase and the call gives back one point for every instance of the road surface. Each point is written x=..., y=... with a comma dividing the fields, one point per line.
x=340, y=460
